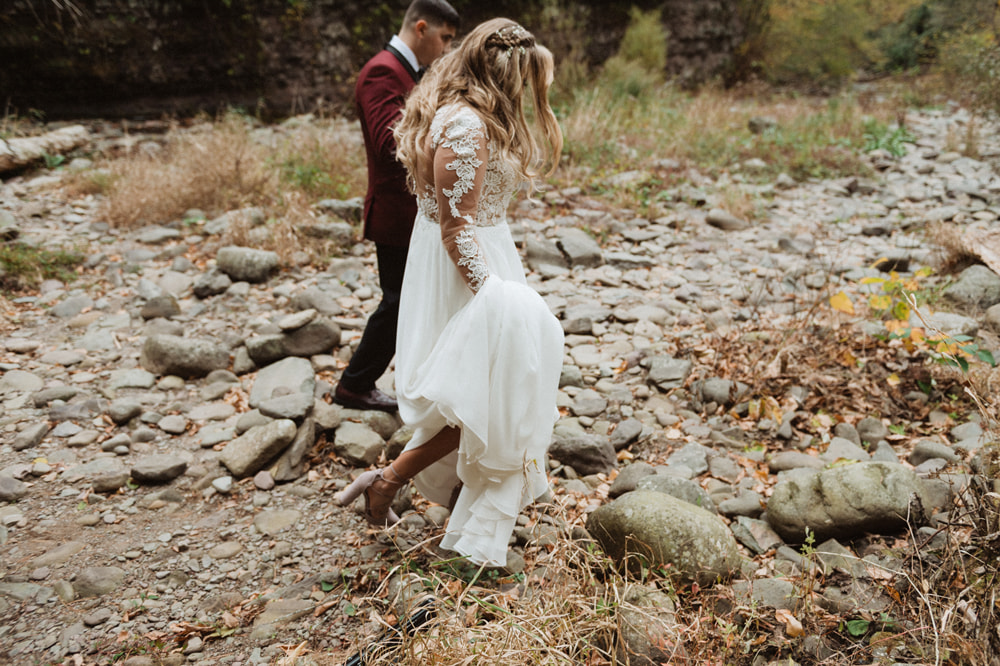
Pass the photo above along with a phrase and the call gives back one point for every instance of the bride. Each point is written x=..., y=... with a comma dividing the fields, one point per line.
x=478, y=353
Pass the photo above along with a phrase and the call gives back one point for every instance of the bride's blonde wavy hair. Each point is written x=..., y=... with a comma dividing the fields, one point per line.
x=489, y=71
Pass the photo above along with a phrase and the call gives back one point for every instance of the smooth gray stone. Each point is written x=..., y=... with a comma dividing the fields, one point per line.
x=59, y=555
x=625, y=433
x=251, y=419
x=31, y=436
x=927, y=449
x=132, y=378
x=158, y=468
x=579, y=247
x=17, y=381
x=11, y=490
x=314, y=298
x=124, y=410
x=628, y=477
x=212, y=283
x=161, y=307
x=721, y=219
x=45, y=396
x=848, y=432
x=290, y=465
x=872, y=430
x=72, y=306
x=292, y=375
x=316, y=337
x=184, y=357
x=251, y=451
x=977, y=286
x=693, y=456
x=786, y=460
x=755, y=534
x=668, y=373
x=244, y=264
x=540, y=251
x=586, y=454
x=97, y=581
x=358, y=444
x=843, y=449
x=748, y=503
x=273, y=522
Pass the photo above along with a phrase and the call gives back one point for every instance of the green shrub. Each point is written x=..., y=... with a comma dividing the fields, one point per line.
x=971, y=62
x=822, y=42
x=23, y=266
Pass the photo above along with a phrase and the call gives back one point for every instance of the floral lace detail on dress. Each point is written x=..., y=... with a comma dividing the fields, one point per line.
x=472, y=258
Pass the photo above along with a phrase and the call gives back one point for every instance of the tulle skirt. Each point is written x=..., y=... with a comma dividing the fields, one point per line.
x=488, y=363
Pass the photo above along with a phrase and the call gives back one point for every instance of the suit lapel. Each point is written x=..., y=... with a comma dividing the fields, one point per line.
x=403, y=61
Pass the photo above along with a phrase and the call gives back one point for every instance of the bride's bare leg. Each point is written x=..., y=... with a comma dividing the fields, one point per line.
x=412, y=462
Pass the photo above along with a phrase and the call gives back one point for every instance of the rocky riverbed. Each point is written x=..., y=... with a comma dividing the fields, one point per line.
x=169, y=452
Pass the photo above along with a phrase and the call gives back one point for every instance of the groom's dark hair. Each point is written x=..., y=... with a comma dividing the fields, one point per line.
x=435, y=12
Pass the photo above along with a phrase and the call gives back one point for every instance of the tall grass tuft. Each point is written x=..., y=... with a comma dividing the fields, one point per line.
x=230, y=164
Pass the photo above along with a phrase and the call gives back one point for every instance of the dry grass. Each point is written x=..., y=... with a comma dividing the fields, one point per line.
x=228, y=165
x=709, y=130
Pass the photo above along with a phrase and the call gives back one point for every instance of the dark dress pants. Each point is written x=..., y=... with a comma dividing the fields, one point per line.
x=378, y=342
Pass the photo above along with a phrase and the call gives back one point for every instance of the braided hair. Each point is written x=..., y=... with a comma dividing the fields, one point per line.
x=489, y=71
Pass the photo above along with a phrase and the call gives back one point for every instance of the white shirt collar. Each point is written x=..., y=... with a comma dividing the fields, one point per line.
x=407, y=52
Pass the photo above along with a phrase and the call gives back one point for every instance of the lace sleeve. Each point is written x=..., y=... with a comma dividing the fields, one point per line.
x=460, y=159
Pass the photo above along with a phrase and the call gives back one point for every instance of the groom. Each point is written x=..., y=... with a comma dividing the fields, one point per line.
x=429, y=27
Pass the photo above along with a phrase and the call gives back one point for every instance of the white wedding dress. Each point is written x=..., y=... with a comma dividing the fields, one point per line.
x=476, y=347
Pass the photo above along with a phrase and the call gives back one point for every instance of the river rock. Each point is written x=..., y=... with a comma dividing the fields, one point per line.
x=586, y=454
x=184, y=357
x=976, y=286
x=655, y=529
x=358, y=444
x=579, y=247
x=290, y=375
x=254, y=449
x=848, y=501
x=97, y=581
x=245, y=264
x=158, y=468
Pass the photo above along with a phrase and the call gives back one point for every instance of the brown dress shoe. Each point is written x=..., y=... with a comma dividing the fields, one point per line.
x=373, y=399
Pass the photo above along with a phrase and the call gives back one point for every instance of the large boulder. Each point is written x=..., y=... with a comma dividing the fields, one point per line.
x=847, y=501
x=648, y=528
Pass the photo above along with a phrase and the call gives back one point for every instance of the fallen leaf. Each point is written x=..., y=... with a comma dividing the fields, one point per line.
x=841, y=302
x=793, y=627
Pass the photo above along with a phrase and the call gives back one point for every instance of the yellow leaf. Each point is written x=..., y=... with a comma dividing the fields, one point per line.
x=848, y=359
x=917, y=335
x=893, y=379
x=877, y=262
x=872, y=280
x=881, y=302
x=842, y=303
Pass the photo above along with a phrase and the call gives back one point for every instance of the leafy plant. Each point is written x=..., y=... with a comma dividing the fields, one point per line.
x=881, y=137
x=893, y=303
x=23, y=266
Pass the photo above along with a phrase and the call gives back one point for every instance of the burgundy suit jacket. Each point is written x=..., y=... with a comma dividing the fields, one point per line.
x=380, y=94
